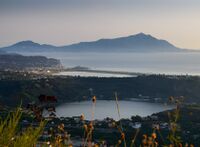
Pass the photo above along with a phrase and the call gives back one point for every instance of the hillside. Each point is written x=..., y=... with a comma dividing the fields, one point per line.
x=135, y=43
x=67, y=89
x=16, y=62
x=2, y=52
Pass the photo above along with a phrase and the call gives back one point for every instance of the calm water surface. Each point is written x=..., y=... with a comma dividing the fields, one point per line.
x=92, y=74
x=165, y=63
x=106, y=108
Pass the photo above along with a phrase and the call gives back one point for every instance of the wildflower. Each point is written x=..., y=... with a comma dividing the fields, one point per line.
x=58, y=139
x=94, y=99
x=48, y=142
x=157, y=127
x=173, y=126
x=156, y=143
x=85, y=127
x=113, y=124
x=180, y=145
x=90, y=126
x=66, y=135
x=150, y=138
x=82, y=117
x=119, y=141
x=153, y=135
x=102, y=142
x=186, y=145
x=171, y=98
x=144, y=141
x=144, y=136
x=12, y=138
x=122, y=136
x=150, y=142
x=62, y=125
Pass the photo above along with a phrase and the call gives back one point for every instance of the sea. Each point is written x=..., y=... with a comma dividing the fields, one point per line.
x=176, y=63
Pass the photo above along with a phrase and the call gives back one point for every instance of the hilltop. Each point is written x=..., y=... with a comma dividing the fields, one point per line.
x=19, y=62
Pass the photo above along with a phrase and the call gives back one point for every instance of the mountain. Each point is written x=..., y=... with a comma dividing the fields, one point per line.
x=135, y=43
x=19, y=62
x=28, y=46
x=2, y=52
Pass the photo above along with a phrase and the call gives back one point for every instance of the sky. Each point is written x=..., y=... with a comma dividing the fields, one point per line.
x=62, y=22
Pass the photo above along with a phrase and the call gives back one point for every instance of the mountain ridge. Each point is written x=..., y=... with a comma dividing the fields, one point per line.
x=133, y=43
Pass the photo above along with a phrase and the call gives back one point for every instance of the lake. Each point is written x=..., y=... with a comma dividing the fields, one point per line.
x=105, y=108
x=165, y=63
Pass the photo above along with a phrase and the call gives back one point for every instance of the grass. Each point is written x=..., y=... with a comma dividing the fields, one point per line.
x=10, y=135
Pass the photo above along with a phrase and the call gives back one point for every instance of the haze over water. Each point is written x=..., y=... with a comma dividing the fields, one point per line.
x=159, y=63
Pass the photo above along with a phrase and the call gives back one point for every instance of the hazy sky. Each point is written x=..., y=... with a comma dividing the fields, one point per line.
x=61, y=22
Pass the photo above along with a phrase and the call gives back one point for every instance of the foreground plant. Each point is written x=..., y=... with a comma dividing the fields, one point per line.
x=11, y=136
x=120, y=128
x=88, y=129
x=174, y=127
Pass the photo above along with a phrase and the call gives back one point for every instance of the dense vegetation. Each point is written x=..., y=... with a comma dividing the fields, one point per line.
x=182, y=123
x=12, y=90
